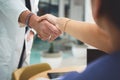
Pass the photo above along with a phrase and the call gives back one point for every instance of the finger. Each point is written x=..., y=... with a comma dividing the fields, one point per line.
x=47, y=32
x=52, y=27
x=50, y=18
x=39, y=36
x=53, y=37
x=46, y=37
x=47, y=27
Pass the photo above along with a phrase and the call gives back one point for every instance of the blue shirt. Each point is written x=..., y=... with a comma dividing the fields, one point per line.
x=105, y=68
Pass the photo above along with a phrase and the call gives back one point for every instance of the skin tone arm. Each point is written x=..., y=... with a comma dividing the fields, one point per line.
x=86, y=32
x=42, y=27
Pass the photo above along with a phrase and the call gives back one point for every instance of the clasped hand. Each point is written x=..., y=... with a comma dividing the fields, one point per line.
x=46, y=29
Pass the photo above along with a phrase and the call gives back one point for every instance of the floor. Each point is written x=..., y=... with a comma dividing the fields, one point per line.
x=68, y=58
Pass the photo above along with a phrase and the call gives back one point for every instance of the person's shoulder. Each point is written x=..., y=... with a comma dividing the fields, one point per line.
x=104, y=68
x=111, y=58
x=107, y=62
x=115, y=55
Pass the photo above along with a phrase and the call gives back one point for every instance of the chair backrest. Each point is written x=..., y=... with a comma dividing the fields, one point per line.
x=26, y=72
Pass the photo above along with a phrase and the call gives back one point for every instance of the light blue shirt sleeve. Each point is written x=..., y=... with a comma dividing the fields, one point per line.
x=12, y=8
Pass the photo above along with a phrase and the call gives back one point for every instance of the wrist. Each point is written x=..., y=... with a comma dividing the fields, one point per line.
x=27, y=20
x=23, y=16
x=62, y=23
x=34, y=20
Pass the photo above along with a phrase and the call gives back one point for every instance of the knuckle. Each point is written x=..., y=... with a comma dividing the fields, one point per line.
x=46, y=14
x=45, y=22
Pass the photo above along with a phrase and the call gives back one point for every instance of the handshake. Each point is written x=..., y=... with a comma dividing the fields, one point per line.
x=48, y=27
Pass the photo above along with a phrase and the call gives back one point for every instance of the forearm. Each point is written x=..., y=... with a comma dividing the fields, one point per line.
x=88, y=33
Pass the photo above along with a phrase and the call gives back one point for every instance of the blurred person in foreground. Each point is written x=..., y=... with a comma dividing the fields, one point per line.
x=13, y=13
x=104, y=35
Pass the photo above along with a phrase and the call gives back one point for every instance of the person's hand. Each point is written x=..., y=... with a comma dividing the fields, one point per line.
x=51, y=18
x=57, y=21
x=45, y=29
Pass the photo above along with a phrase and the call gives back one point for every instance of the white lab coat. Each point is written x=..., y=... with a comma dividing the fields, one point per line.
x=34, y=7
x=11, y=36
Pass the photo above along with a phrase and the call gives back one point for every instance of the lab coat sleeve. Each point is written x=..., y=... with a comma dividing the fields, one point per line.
x=33, y=31
x=12, y=9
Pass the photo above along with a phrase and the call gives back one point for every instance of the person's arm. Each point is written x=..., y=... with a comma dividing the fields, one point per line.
x=43, y=27
x=16, y=12
x=86, y=32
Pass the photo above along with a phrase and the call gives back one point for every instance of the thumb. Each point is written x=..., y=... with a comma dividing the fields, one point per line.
x=50, y=18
